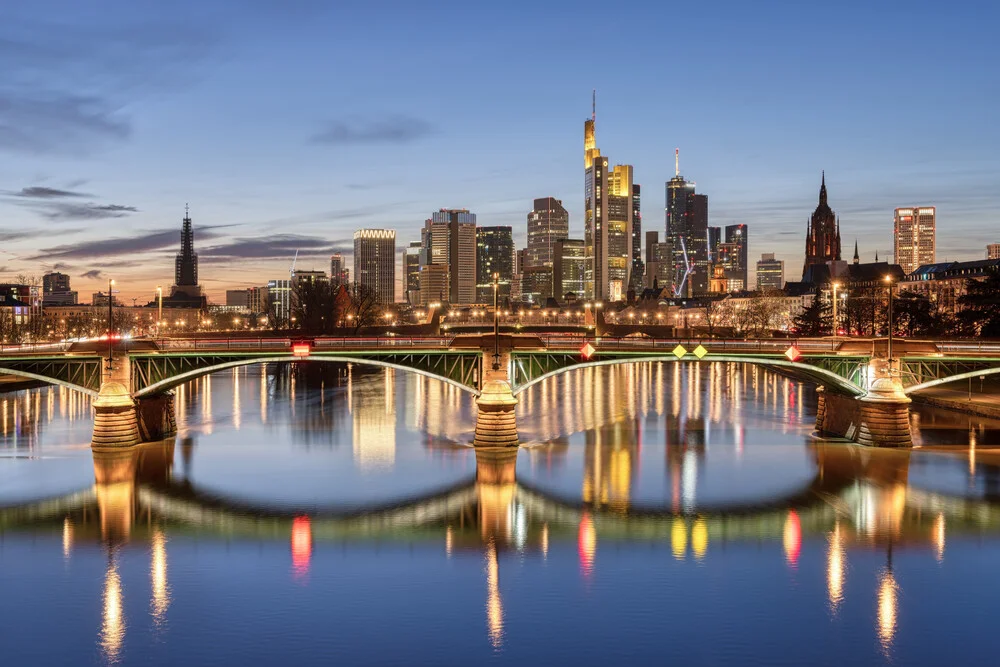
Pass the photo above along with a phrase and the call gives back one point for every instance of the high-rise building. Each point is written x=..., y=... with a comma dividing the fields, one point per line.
x=569, y=266
x=433, y=284
x=303, y=277
x=914, y=237
x=608, y=215
x=257, y=299
x=338, y=270
x=714, y=239
x=548, y=221
x=735, y=261
x=494, y=254
x=238, y=298
x=279, y=302
x=515, y=287
x=56, y=290
x=186, y=263
x=687, y=233
x=536, y=284
x=659, y=262
x=993, y=251
x=375, y=262
x=770, y=272
x=638, y=268
x=449, y=238
x=822, y=234
x=411, y=272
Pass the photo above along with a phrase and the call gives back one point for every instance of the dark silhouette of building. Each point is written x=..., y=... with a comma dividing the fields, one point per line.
x=186, y=293
x=638, y=268
x=822, y=233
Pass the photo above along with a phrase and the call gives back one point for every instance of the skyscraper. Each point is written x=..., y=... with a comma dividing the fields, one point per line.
x=638, y=268
x=714, y=239
x=548, y=221
x=914, y=237
x=494, y=254
x=449, y=238
x=568, y=267
x=770, y=272
x=735, y=261
x=993, y=251
x=659, y=262
x=411, y=272
x=338, y=270
x=56, y=290
x=822, y=234
x=375, y=262
x=687, y=233
x=608, y=213
x=186, y=263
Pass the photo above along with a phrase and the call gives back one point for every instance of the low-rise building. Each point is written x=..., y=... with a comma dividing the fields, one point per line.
x=944, y=283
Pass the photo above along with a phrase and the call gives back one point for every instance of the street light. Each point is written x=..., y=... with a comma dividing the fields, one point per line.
x=888, y=281
x=159, y=308
x=496, y=322
x=835, y=285
x=111, y=326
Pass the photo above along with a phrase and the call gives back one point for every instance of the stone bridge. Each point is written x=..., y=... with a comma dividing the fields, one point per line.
x=863, y=397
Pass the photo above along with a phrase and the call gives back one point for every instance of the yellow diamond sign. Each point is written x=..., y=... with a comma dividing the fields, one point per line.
x=679, y=351
x=792, y=353
x=587, y=350
x=700, y=351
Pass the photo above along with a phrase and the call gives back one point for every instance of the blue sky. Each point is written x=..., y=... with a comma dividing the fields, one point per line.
x=289, y=124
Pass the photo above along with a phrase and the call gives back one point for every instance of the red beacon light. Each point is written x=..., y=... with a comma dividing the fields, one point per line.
x=301, y=349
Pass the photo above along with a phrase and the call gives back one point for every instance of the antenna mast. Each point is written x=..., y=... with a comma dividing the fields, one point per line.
x=677, y=162
x=593, y=105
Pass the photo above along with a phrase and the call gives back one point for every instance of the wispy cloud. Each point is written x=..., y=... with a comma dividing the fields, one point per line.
x=149, y=241
x=396, y=129
x=93, y=274
x=41, y=192
x=67, y=211
x=265, y=247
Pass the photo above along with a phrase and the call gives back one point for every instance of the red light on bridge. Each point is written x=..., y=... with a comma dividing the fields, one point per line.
x=301, y=349
x=587, y=350
x=793, y=353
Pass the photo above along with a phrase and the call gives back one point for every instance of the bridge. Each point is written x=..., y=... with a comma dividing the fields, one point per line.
x=864, y=394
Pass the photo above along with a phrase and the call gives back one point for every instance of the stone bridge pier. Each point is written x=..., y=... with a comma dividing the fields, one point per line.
x=122, y=421
x=880, y=418
x=496, y=425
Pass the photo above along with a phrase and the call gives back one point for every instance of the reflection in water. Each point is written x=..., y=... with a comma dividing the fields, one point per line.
x=791, y=537
x=835, y=568
x=158, y=575
x=374, y=417
x=494, y=606
x=678, y=538
x=113, y=625
x=67, y=537
x=938, y=537
x=887, y=609
x=586, y=543
x=24, y=415
x=699, y=538
x=301, y=545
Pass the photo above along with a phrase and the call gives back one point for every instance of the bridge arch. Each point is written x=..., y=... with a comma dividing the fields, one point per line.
x=177, y=380
x=815, y=374
x=48, y=380
x=952, y=378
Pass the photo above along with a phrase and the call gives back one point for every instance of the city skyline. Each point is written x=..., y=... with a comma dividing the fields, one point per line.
x=99, y=157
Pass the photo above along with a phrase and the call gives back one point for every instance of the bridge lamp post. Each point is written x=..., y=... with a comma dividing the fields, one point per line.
x=111, y=321
x=888, y=281
x=159, y=308
x=496, y=322
x=834, y=286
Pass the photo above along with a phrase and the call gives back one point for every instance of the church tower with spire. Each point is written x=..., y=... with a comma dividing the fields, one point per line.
x=822, y=233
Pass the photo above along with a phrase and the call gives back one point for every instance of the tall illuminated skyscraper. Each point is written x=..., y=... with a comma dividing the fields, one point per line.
x=411, y=272
x=608, y=206
x=638, y=268
x=548, y=222
x=687, y=233
x=375, y=262
x=914, y=237
x=449, y=238
x=494, y=254
x=338, y=270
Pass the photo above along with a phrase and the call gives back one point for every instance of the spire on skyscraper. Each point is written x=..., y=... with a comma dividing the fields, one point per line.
x=857, y=257
x=677, y=162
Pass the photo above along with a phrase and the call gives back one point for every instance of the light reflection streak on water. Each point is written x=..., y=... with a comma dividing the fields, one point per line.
x=678, y=538
x=67, y=537
x=938, y=537
x=494, y=605
x=113, y=621
x=237, y=408
x=888, y=609
x=836, y=568
x=699, y=539
x=263, y=393
x=158, y=576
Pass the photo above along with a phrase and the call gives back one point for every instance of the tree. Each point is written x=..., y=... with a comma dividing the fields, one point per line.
x=914, y=315
x=980, y=314
x=316, y=307
x=364, y=306
x=814, y=320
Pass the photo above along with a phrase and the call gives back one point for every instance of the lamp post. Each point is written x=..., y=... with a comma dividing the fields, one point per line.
x=111, y=325
x=159, y=308
x=888, y=280
x=496, y=322
x=834, y=286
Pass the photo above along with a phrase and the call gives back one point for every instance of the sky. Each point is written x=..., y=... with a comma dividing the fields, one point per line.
x=288, y=124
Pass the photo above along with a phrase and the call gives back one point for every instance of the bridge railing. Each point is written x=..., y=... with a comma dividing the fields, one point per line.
x=34, y=348
x=361, y=343
x=713, y=345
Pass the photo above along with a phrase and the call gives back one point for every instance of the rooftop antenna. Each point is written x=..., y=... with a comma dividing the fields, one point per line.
x=186, y=214
x=593, y=106
x=677, y=162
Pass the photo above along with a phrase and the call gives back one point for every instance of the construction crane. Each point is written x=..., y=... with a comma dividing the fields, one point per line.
x=291, y=271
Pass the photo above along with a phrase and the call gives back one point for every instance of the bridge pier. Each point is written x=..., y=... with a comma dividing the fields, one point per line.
x=880, y=418
x=156, y=417
x=496, y=424
x=115, y=421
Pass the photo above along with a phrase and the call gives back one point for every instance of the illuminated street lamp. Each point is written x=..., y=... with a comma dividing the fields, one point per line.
x=111, y=323
x=888, y=282
x=834, y=286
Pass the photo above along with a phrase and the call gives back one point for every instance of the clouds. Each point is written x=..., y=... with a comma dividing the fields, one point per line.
x=272, y=247
x=395, y=129
x=65, y=86
x=93, y=274
x=146, y=242
x=50, y=203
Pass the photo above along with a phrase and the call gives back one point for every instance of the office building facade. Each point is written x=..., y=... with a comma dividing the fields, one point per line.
x=375, y=262
x=494, y=254
x=913, y=235
x=548, y=221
